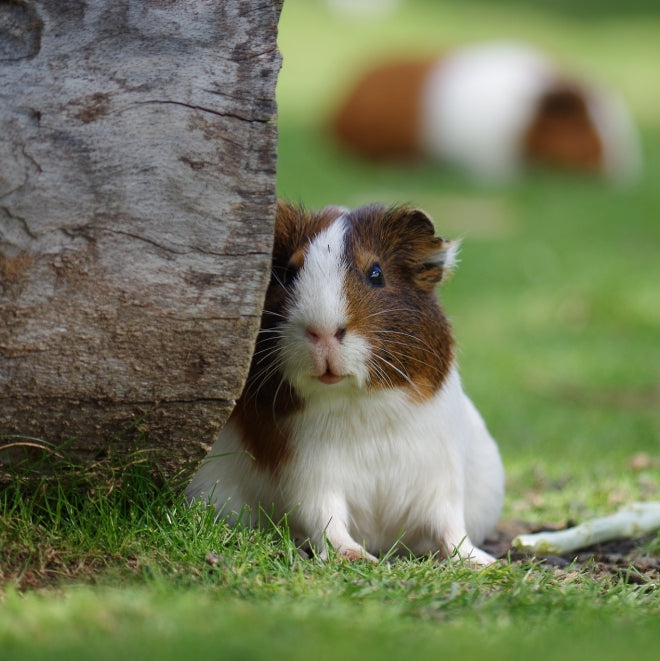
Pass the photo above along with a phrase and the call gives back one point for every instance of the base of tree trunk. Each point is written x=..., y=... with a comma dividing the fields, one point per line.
x=84, y=432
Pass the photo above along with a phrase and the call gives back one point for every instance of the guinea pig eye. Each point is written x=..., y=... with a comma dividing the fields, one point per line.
x=292, y=268
x=289, y=276
x=375, y=276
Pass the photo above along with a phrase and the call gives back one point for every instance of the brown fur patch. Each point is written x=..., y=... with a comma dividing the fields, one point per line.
x=262, y=416
x=380, y=117
x=402, y=320
x=562, y=133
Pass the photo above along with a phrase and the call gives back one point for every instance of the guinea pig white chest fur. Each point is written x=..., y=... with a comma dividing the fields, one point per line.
x=353, y=423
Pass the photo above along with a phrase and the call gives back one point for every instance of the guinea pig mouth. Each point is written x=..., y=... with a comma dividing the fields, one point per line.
x=330, y=378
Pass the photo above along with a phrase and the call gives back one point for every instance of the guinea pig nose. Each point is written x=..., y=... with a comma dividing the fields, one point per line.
x=316, y=335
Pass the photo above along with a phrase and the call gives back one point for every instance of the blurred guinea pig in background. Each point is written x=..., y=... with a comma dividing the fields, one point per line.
x=492, y=110
x=353, y=423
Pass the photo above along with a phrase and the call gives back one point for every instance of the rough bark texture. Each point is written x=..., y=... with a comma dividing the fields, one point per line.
x=137, y=191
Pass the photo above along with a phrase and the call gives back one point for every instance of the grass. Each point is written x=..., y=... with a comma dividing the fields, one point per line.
x=556, y=308
x=128, y=570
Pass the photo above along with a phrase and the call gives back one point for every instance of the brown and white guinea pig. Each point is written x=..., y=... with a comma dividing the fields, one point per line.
x=492, y=110
x=353, y=422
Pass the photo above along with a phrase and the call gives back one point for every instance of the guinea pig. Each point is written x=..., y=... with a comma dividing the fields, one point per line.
x=353, y=423
x=492, y=110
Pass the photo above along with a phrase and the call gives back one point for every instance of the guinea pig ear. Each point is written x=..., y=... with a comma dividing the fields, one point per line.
x=289, y=220
x=435, y=256
x=286, y=213
x=288, y=223
x=437, y=264
x=446, y=255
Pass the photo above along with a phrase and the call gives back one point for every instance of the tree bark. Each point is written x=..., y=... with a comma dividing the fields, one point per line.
x=137, y=196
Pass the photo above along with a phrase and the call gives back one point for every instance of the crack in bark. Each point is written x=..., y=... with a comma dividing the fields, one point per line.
x=234, y=58
x=26, y=175
x=32, y=160
x=238, y=317
x=145, y=240
x=192, y=250
x=21, y=220
x=247, y=253
x=11, y=191
x=217, y=113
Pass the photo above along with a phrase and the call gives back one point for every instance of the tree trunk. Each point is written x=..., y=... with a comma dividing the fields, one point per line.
x=137, y=193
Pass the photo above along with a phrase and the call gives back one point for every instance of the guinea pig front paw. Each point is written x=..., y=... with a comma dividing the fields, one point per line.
x=356, y=554
x=473, y=556
x=349, y=553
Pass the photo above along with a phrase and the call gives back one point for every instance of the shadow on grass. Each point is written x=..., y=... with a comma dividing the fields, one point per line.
x=66, y=518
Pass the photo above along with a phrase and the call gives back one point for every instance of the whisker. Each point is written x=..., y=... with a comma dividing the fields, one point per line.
x=268, y=368
x=380, y=373
x=398, y=359
x=275, y=277
x=394, y=367
x=387, y=311
x=271, y=331
x=263, y=357
x=277, y=390
x=260, y=378
x=407, y=356
x=274, y=314
x=408, y=335
x=400, y=372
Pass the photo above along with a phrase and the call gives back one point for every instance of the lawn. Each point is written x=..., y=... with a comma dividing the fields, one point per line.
x=556, y=308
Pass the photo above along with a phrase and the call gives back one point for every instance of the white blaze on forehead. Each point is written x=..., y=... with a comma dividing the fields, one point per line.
x=319, y=299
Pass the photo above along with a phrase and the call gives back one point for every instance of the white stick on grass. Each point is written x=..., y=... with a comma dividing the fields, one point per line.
x=631, y=521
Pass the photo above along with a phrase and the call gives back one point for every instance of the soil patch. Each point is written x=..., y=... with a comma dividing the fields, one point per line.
x=623, y=558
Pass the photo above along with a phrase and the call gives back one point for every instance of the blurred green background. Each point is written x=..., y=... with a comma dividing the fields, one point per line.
x=556, y=303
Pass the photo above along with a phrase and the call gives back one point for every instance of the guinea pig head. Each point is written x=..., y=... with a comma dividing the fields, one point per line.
x=563, y=133
x=351, y=305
